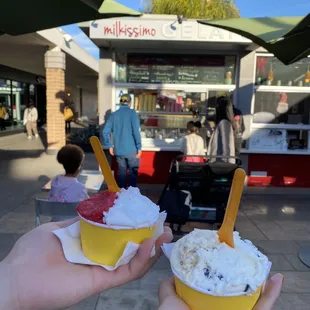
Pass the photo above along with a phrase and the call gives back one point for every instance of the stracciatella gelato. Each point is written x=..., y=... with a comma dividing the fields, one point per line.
x=201, y=261
x=131, y=209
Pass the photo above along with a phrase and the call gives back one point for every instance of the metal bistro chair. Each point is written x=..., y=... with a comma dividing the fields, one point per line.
x=59, y=211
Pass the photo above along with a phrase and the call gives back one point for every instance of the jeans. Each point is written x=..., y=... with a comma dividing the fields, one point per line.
x=2, y=123
x=68, y=126
x=238, y=146
x=132, y=164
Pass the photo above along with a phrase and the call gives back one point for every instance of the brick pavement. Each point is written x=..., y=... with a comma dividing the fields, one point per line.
x=278, y=225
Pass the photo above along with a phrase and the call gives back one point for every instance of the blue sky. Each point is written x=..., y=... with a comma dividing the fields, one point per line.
x=248, y=8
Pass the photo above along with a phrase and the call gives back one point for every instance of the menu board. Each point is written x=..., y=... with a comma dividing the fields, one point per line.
x=176, y=69
x=189, y=75
x=139, y=74
x=162, y=74
x=213, y=75
x=172, y=75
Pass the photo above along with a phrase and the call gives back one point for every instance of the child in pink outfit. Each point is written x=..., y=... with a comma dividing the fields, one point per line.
x=66, y=188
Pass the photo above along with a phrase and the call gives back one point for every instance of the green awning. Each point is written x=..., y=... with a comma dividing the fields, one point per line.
x=24, y=16
x=286, y=37
x=116, y=9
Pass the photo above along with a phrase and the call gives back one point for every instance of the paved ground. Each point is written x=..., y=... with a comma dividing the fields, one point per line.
x=278, y=225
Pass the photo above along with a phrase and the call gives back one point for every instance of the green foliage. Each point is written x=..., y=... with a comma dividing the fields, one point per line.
x=198, y=9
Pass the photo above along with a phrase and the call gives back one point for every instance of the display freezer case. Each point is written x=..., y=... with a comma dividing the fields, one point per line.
x=164, y=113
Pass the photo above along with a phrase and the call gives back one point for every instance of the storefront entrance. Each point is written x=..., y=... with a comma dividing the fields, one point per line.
x=15, y=95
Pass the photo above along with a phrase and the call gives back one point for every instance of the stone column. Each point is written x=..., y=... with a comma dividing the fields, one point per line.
x=105, y=85
x=55, y=64
x=105, y=89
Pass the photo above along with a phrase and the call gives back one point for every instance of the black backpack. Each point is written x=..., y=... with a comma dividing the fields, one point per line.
x=177, y=205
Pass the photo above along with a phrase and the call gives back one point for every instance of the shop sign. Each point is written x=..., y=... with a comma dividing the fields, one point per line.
x=140, y=29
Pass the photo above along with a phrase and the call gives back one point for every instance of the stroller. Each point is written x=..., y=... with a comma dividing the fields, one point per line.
x=205, y=184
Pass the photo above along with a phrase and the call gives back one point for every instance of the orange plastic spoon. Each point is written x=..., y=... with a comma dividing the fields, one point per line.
x=226, y=231
x=104, y=165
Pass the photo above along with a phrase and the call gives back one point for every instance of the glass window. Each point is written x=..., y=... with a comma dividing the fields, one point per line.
x=32, y=93
x=272, y=72
x=177, y=101
x=5, y=95
x=18, y=90
x=164, y=114
x=281, y=107
x=297, y=139
x=175, y=69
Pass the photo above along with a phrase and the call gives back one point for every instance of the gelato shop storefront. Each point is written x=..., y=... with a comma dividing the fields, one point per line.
x=174, y=70
x=170, y=70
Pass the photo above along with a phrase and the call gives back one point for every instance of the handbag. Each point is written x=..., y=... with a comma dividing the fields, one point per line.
x=6, y=116
x=68, y=114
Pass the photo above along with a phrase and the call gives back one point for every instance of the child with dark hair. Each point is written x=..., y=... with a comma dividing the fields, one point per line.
x=198, y=125
x=66, y=188
x=193, y=144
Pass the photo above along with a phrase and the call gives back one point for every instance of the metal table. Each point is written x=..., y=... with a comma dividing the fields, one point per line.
x=304, y=256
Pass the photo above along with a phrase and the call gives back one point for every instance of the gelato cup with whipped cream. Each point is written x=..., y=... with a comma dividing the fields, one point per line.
x=210, y=275
x=108, y=221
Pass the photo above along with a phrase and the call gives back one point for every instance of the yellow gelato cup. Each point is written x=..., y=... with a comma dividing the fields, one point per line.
x=201, y=301
x=104, y=245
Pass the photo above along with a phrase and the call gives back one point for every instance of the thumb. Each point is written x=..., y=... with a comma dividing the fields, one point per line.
x=271, y=293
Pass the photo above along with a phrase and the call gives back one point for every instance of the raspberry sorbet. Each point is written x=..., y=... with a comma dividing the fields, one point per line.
x=92, y=209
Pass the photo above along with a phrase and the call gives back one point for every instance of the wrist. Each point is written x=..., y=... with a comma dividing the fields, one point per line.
x=8, y=291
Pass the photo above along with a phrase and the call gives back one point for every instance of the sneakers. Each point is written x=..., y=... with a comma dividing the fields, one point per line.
x=37, y=136
x=29, y=137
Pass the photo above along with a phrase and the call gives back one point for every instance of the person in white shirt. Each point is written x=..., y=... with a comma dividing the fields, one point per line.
x=30, y=120
x=193, y=144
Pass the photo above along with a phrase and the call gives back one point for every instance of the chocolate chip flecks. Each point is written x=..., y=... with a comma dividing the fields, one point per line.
x=220, y=277
x=206, y=272
x=247, y=288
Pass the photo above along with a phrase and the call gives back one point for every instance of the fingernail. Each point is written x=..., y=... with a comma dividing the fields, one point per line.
x=276, y=277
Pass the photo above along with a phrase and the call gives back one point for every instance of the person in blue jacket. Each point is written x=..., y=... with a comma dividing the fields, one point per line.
x=124, y=127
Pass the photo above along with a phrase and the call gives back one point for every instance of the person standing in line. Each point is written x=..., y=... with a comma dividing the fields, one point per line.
x=30, y=120
x=3, y=115
x=68, y=115
x=239, y=126
x=239, y=129
x=124, y=126
x=222, y=142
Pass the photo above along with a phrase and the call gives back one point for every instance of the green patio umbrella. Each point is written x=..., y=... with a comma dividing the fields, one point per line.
x=286, y=37
x=26, y=16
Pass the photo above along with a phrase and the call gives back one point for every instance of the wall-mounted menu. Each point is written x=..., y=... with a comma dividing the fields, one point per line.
x=177, y=69
x=162, y=74
x=139, y=74
x=189, y=75
x=213, y=75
